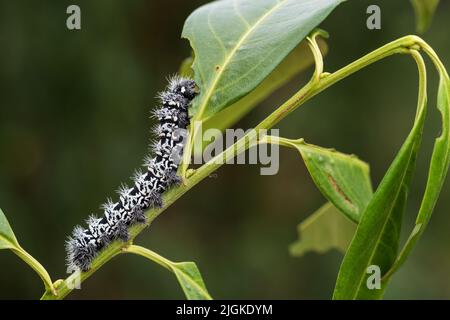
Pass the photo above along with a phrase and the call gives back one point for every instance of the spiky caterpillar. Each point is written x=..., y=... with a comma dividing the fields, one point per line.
x=85, y=244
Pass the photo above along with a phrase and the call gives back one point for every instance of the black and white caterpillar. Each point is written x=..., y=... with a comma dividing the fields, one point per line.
x=161, y=173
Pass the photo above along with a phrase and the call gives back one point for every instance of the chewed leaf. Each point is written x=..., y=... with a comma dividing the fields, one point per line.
x=233, y=52
x=296, y=62
x=343, y=179
x=325, y=229
x=7, y=238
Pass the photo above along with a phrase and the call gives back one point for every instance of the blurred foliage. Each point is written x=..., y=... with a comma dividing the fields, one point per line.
x=424, y=10
x=324, y=230
x=74, y=124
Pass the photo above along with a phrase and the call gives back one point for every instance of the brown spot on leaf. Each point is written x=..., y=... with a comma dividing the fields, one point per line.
x=338, y=189
x=217, y=68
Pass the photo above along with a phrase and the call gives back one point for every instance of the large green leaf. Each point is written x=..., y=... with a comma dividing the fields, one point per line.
x=377, y=237
x=238, y=43
x=424, y=10
x=343, y=179
x=7, y=238
x=297, y=61
x=325, y=229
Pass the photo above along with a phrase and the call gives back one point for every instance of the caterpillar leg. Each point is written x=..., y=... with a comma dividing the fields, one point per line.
x=121, y=232
x=139, y=217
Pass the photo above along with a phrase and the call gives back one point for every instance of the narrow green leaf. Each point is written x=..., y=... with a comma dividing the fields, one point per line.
x=7, y=238
x=187, y=273
x=377, y=237
x=324, y=230
x=233, y=52
x=343, y=179
x=424, y=10
x=439, y=165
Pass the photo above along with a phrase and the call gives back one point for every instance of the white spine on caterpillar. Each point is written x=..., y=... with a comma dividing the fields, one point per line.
x=84, y=244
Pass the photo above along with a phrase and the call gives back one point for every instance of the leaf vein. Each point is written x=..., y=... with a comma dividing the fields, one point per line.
x=229, y=58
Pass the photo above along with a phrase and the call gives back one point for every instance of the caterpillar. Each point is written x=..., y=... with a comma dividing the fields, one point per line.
x=161, y=173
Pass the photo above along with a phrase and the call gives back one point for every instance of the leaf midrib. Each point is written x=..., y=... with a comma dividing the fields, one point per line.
x=189, y=279
x=7, y=240
x=228, y=58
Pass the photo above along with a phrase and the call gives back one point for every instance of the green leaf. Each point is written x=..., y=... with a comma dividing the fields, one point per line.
x=424, y=10
x=187, y=273
x=8, y=241
x=377, y=237
x=238, y=43
x=439, y=165
x=7, y=238
x=297, y=61
x=186, y=68
x=343, y=179
x=191, y=281
x=324, y=230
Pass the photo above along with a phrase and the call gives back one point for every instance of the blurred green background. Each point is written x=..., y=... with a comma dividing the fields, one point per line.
x=74, y=123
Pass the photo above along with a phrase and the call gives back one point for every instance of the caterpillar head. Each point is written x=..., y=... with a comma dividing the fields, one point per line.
x=186, y=87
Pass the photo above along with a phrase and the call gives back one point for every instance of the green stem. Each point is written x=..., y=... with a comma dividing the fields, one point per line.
x=149, y=254
x=313, y=88
x=36, y=266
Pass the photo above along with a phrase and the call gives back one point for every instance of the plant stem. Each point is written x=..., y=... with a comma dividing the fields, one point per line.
x=36, y=266
x=314, y=87
x=149, y=254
